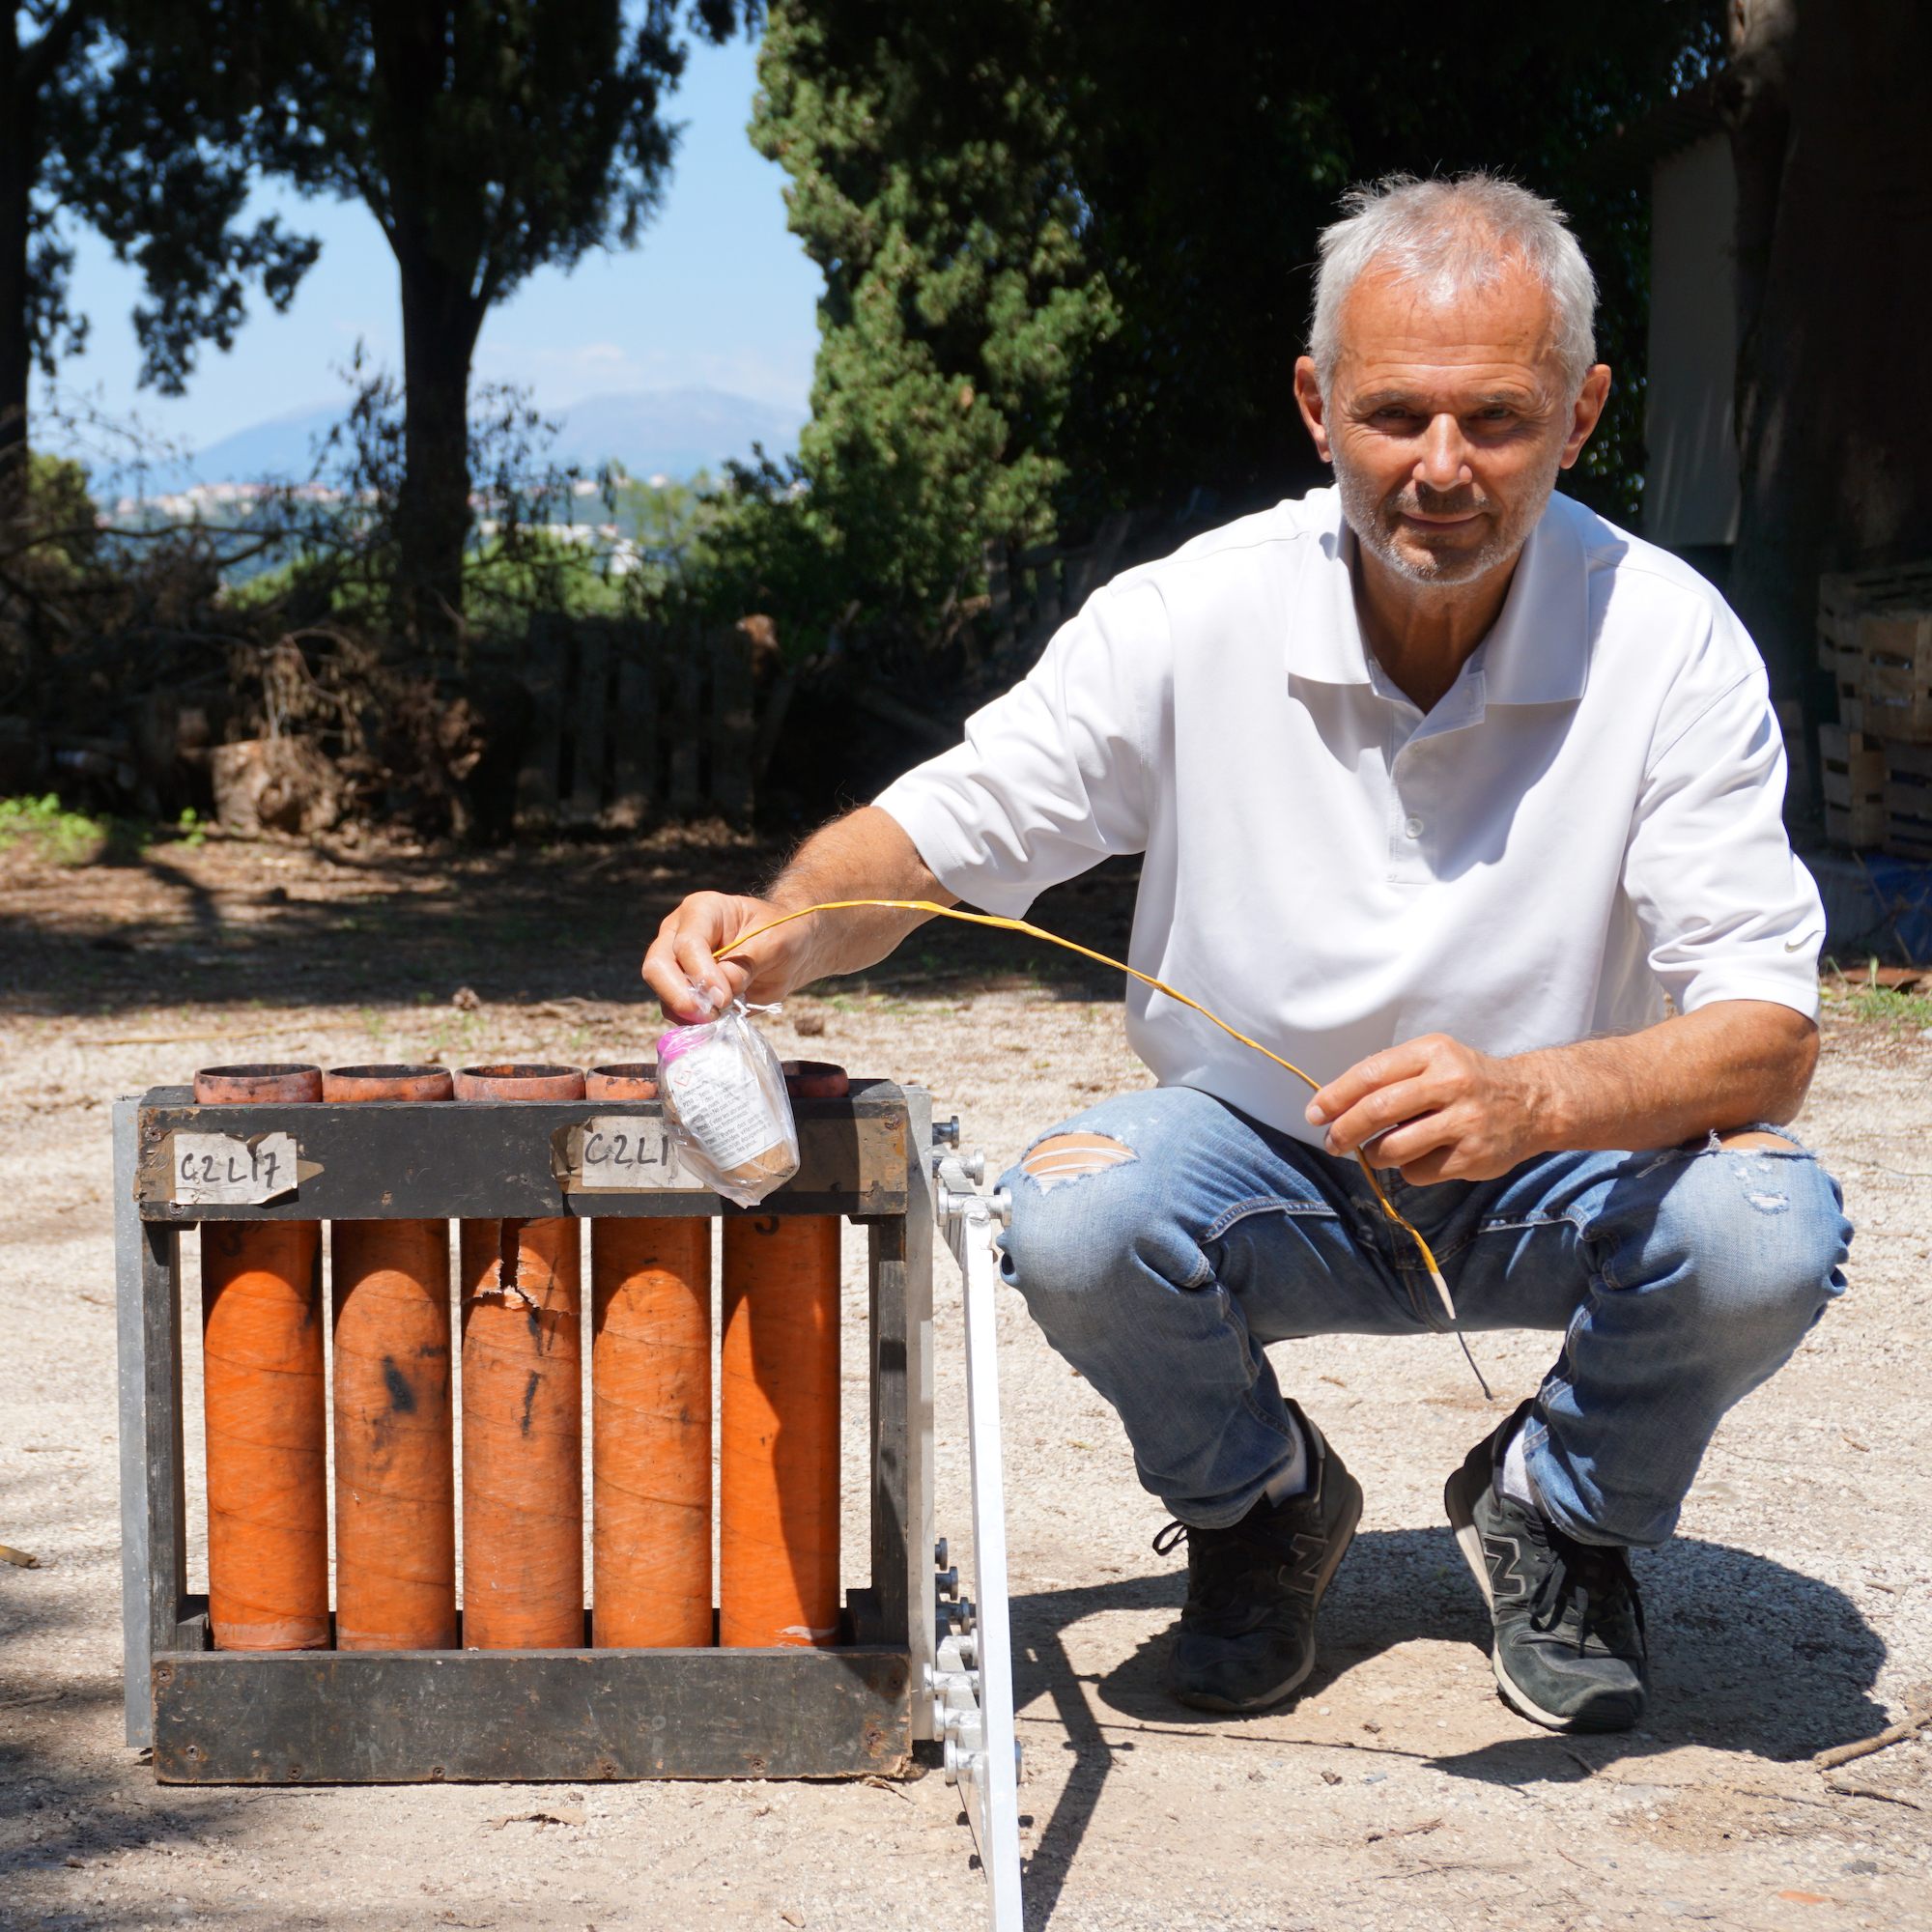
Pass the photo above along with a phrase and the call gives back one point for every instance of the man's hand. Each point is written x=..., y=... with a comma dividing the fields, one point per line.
x=1442, y=1111
x=865, y=855
x=694, y=986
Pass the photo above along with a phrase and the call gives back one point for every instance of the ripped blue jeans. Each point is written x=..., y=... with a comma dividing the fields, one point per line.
x=1160, y=1261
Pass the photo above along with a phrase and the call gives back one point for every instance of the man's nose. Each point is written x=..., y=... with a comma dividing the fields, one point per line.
x=1442, y=465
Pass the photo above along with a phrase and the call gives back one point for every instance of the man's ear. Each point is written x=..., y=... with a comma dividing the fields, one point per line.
x=1585, y=411
x=1308, y=399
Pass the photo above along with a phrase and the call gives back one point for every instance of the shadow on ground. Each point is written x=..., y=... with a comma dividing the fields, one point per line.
x=283, y=926
x=1748, y=1656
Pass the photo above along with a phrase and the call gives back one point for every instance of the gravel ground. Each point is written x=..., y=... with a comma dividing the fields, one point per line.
x=1790, y=1613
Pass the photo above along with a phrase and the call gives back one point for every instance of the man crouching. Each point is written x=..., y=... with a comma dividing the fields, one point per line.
x=1444, y=782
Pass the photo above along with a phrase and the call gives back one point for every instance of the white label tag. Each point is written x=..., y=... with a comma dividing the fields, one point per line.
x=721, y=1103
x=622, y=1154
x=225, y=1171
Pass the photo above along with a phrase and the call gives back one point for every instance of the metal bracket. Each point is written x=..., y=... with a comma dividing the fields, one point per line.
x=971, y=1682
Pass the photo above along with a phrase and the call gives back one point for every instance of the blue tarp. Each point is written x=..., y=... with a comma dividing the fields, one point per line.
x=1874, y=904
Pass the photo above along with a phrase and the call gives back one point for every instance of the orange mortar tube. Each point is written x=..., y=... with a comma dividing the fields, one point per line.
x=263, y=1404
x=778, y=1547
x=395, y=1477
x=522, y=1409
x=650, y=1416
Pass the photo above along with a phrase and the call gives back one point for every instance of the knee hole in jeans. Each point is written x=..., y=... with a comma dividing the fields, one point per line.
x=1063, y=1157
x=1756, y=1141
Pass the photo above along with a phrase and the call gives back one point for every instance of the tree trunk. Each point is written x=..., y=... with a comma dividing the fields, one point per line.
x=438, y=249
x=16, y=183
x=1832, y=137
x=440, y=320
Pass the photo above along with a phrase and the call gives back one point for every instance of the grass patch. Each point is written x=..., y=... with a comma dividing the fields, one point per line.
x=1866, y=996
x=65, y=837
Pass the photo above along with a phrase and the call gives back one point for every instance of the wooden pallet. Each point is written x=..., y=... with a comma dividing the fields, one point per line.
x=1896, y=645
x=1908, y=800
x=1845, y=599
x=1851, y=775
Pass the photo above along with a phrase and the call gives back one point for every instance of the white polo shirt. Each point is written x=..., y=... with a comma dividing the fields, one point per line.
x=1588, y=820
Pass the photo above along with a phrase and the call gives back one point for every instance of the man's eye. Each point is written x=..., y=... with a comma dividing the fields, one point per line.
x=1392, y=416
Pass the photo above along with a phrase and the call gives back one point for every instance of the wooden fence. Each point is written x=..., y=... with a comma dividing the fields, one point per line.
x=630, y=719
x=1032, y=593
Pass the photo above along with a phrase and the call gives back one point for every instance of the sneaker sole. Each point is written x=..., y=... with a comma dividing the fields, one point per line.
x=1459, y=1500
x=1344, y=1535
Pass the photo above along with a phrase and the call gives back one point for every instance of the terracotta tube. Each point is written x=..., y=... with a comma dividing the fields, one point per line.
x=263, y=1398
x=522, y=1409
x=650, y=1416
x=395, y=1479
x=778, y=1552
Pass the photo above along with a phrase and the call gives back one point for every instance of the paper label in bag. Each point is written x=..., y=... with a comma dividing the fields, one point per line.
x=722, y=1105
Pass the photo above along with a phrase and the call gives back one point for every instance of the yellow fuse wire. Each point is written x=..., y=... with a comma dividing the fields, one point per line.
x=1033, y=931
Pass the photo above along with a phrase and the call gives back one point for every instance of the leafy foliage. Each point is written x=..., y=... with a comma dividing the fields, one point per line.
x=487, y=140
x=106, y=125
x=928, y=150
x=1068, y=245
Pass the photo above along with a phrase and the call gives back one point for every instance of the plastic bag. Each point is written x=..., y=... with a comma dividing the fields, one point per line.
x=726, y=1105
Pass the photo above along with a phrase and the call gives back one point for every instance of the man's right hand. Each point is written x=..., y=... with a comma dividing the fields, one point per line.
x=694, y=987
x=865, y=855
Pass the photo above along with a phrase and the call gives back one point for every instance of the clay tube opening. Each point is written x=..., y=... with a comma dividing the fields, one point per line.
x=388, y=1083
x=520, y=1080
x=626, y=1080
x=816, y=1080
x=261, y=1084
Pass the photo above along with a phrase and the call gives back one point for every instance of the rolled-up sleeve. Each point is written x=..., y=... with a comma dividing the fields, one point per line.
x=1053, y=776
x=1727, y=910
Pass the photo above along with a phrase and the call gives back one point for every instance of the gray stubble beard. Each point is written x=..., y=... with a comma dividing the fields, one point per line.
x=1365, y=512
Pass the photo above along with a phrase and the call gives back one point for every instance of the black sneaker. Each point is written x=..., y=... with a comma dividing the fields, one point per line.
x=1247, y=1630
x=1569, y=1647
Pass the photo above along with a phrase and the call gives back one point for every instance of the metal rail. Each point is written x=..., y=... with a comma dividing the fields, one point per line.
x=972, y=1682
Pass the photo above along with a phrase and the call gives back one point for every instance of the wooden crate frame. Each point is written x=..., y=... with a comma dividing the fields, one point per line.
x=1845, y=599
x=350, y=1716
x=1908, y=800
x=1851, y=775
x=1896, y=651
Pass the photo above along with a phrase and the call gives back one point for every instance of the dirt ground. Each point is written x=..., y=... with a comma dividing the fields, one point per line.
x=1790, y=1614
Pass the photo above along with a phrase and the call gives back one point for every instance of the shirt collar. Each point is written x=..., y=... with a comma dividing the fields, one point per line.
x=1537, y=652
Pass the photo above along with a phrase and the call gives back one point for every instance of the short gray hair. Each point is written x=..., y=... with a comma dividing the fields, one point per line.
x=1450, y=234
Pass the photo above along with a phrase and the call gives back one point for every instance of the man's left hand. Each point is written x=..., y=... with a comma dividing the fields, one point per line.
x=1435, y=1109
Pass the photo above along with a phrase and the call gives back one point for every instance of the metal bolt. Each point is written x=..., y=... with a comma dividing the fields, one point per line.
x=948, y=1582
x=1001, y=1202
x=939, y=1554
x=975, y=1166
x=962, y=1614
x=946, y=1133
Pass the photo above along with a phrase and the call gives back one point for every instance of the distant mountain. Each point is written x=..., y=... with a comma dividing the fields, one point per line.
x=673, y=433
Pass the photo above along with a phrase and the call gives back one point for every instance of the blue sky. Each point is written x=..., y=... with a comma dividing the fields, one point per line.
x=717, y=294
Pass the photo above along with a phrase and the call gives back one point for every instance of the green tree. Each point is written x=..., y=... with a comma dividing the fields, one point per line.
x=928, y=152
x=99, y=125
x=1068, y=244
x=488, y=141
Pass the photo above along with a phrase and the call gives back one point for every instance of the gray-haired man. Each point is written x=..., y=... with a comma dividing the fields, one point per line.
x=1451, y=791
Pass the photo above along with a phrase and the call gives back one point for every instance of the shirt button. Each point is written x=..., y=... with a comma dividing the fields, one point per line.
x=1413, y=826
